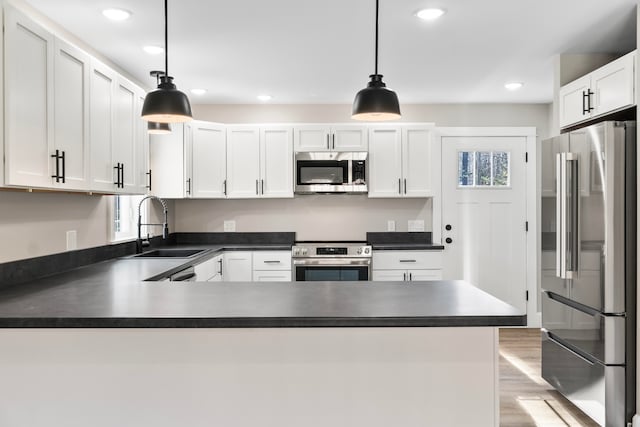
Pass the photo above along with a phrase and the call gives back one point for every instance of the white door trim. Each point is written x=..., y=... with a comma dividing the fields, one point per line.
x=532, y=204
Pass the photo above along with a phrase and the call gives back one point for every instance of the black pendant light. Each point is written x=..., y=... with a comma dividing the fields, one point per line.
x=155, y=128
x=376, y=102
x=166, y=104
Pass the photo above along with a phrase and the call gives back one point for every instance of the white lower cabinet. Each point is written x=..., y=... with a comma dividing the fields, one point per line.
x=237, y=266
x=209, y=270
x=406, y=266
x=272, y=266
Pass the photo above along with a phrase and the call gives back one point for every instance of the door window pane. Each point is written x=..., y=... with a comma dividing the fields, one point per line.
x=481, y=169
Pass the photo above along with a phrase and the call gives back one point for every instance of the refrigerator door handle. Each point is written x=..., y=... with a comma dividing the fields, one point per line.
x=560, y=233
x=572, y=215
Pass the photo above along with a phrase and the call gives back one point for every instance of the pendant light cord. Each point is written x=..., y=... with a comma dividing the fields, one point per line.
x=377, y=7
x=166, y=39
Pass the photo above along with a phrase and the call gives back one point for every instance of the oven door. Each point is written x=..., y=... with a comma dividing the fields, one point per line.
x=331, y=269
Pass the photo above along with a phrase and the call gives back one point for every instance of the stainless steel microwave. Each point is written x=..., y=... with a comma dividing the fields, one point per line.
x=331, y=172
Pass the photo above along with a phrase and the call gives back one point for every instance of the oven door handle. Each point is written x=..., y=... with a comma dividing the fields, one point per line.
x=328, y=262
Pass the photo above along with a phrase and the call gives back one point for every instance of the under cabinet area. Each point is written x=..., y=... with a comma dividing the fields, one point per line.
x=605, y=90
x=406, y=266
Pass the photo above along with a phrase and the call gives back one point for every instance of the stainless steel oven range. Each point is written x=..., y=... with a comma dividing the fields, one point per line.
x=332, y=261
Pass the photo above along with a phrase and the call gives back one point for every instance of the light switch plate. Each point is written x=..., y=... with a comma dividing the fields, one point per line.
x=416, y=225
x=229, y=226
x=391, y=225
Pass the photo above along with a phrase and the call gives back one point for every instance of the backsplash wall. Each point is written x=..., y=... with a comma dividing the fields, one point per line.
x=312, y=217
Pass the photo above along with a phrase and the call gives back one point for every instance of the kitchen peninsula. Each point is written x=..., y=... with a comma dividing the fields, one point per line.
x=100, y=346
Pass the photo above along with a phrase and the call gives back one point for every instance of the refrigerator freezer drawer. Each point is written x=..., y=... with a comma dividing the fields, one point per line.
x=599, y=336
x=590, y=386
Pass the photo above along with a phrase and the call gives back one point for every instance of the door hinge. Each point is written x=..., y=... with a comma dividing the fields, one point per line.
x=526, y=226
x=526, y=157
x=527, y=295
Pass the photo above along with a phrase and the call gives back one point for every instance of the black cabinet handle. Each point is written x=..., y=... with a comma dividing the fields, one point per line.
x=57, y=157
x=189, y=186
x=333, y=139
x=405, y=186
x=149, y=174
x=589, y=107
x=122, y=175
x=448, y=240
x=64, y=168
x=399, y=186
x=262, y=186
x=225, y=186
x=220, y=261
x=410, y=277
x=584, y=103
x=404, y=277
x=117, y=168
x=328, y=146
x=257, y=186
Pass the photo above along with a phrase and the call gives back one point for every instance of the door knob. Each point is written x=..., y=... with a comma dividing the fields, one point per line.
x=448, y=240
x=448, y=227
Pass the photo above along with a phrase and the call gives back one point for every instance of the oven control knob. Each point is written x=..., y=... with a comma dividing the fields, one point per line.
x=366, y=250
x=303, y=252
x=359, y=251
x=296, y=252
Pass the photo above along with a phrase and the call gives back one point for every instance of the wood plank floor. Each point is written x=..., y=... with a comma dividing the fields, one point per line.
x=525, y=398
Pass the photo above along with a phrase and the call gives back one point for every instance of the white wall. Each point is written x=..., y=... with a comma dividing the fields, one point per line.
x=312, y=217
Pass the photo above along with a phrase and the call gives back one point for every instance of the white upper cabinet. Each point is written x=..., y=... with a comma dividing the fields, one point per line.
x=330, y=138
x=208, y=155
x=167, y=163
x=403, y=161
x=276, y=162
x=28, y=59
x=142, y=153
x=259, y=162
x=607, y=89
x=71, y=117
x=125, y=132
x=104, y=174
x=243, y=162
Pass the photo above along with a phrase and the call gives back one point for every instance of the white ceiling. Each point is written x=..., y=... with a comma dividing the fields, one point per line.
x=319, y=52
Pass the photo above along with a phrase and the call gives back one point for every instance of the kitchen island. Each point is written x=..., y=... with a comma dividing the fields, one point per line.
x=98, y=346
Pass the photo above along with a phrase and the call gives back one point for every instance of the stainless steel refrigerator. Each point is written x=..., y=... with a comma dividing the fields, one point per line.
x=588, y=274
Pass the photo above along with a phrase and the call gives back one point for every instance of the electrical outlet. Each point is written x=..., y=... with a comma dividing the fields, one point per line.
x=391, y=225
x=72, y=240
x=229, y=226
x=416, y=225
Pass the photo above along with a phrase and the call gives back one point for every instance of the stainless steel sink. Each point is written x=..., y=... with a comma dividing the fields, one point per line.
x=170, y=253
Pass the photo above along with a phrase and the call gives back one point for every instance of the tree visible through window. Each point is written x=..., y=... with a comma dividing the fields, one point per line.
x=484, y=169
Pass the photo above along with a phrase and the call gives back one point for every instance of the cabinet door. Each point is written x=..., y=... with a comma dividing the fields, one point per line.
x=419, y=155
x=389, y=275
x=272, y=276
x=166, y=160
x=573, y=102
x=237, y=267
x=143, y=177
x=276, y=162
x=349, y=138
x=385, y=162
x=312, y=138
x=71, y=114
x=419, y=275
x=28, y=101
x=243, y=162
x=125, y=133
x=102, y=82
x=208, y=160
x=613, y=85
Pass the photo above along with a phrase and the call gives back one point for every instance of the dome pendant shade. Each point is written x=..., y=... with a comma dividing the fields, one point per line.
x=376, y=102
x=155, y=128
x=166, y=104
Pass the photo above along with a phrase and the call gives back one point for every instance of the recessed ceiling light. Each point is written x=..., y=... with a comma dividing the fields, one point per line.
x=514, y=85
x=116, y=14
x=153, y=50
x=430, y=14
x=264, y=98
x=198, y=91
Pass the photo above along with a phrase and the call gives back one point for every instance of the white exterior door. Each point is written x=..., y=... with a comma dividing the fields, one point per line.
x=484, y=213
